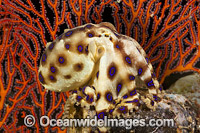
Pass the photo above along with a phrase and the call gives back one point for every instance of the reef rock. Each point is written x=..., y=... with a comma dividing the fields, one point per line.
x=172, y=106
x=188, y=86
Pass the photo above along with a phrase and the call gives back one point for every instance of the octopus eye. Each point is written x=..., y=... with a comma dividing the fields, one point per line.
x=106, y=35
x=44, y=57
x=140, y=71
x=61, y=60
x=128, y=60
x=68, y=33
x=133, y=92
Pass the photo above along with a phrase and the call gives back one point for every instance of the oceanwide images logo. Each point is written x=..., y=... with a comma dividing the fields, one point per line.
x=29, y=121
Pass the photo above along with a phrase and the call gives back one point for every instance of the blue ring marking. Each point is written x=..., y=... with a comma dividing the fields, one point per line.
x=110, y=111
x=114, y=102
x=51, y=77
x=60, y=37
x=129, y=101
x=53, y=69
x=86, y=49
x=91, y=100
x=155, y=98
x=125, y=96
x=100, y=114
x=68, y=33
x=133, y=92
x=79, y=98
x=112, y=71
x=131, y=77
x=150, y=83
x=61, y=60
x=160, y=88
x=122, y=108
x=88, y=25
x=41, y=78
x=84, y=90
x=140, y=71
x=75, y=91
x=44, y=57
x=133, y=101
x=109, y=97
x=152, y=103
x=90, y=35
x=97, y=74
x=67, y=46
x=87, y=97
x=98, y=96
x=51, y=46
x=147, y=60
x=80, y=48
x=117, y=46
x=116, y=34
x=128, y=60
x=119, y=87
x=138, y=50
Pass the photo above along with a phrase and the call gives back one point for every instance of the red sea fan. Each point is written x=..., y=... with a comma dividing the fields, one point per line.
x=169, y=31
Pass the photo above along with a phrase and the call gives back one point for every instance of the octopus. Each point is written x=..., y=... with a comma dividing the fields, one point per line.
x=101, y=68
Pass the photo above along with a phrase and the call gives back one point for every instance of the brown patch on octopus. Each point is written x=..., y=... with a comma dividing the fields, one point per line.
x=78, y=67
x=67, y=76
